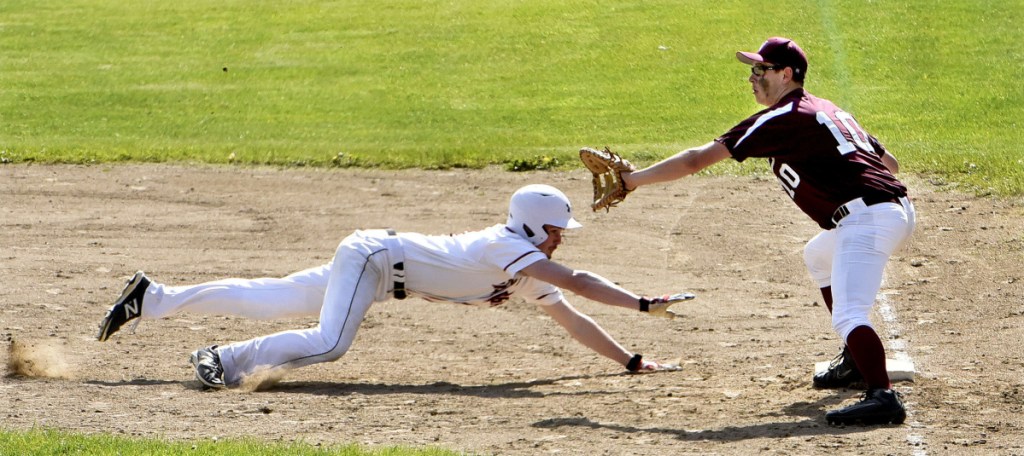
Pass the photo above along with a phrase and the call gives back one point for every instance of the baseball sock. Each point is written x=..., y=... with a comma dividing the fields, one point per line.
x=826, y=294
x=869, y=354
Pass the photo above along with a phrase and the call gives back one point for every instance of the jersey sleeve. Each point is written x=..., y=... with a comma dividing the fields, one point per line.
x=875, y=143
x=512, y=255
x=540, y=292
x=764, y=134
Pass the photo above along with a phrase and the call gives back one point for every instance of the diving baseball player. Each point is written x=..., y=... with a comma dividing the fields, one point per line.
x=485, y=267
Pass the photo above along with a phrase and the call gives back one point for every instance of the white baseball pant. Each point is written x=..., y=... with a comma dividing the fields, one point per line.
x=298, y=295
x=341, y=292
x=851, y=259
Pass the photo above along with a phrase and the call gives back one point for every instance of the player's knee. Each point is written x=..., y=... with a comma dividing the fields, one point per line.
x=821, y=271
x=327, y=355
x=818, y=258
x=814, y=254
x=334, y=347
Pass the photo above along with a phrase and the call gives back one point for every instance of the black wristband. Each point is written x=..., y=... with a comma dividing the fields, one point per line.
x=645, y=304
x=635, y=362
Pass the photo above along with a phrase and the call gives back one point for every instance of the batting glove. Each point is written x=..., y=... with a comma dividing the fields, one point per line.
x=659, y=306
x=638, y=364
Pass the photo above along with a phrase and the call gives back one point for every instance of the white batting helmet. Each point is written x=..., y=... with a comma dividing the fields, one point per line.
x=536, y=205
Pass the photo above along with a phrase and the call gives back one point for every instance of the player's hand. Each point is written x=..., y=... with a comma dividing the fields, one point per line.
x=660, y=306
x=654, y=366
x=638, y=364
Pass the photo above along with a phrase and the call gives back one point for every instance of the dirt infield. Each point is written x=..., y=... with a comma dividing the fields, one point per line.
x=505, y=380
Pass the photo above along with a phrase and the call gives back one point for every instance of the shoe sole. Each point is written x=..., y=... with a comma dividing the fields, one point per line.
x=129, y=288
x=870, y=420
x=852, y=384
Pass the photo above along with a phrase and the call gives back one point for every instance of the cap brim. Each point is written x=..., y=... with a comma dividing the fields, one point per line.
x=573, y=224
x=749, y=58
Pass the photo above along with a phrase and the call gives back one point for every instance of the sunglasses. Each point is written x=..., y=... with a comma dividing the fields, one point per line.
x=758, y=70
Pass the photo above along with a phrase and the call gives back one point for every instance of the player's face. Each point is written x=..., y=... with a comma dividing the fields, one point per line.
x=552, y=242
x=767, y=82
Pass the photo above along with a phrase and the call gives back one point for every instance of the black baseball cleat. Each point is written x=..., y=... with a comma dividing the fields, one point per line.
x=842, y=372
x=879, y=406
x=209, y=371
x=126, y=308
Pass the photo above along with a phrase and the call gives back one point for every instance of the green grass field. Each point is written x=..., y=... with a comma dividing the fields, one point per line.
x=473, y=83
x=521, y=84
x=52, y=442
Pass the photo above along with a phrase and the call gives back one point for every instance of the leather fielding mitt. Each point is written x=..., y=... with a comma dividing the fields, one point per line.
x=607, y=168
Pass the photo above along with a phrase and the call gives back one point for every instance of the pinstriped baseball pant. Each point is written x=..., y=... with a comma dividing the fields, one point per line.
x=340, y=292
x=354, y=283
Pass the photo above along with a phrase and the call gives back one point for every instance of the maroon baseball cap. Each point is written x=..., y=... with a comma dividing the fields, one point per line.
x=780, y=51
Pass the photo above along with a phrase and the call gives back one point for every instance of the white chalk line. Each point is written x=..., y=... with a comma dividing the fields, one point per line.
x=898, y=348
x=897, y=345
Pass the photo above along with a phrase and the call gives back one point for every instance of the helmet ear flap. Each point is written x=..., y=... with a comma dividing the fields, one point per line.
x=529, y=232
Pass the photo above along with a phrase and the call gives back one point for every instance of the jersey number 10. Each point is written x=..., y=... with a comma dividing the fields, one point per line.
x=859, y=137
x=788, y=176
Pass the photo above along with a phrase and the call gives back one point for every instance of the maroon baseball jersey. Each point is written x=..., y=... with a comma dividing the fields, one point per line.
x=819, y=153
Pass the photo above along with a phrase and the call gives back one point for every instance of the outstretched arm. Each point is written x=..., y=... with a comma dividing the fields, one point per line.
x=585, y=330
x=600, y=289
x=680, y=165
x=583, y=283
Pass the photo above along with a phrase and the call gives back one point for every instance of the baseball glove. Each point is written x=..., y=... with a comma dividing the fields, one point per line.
x=607, y=168
x=659, y=306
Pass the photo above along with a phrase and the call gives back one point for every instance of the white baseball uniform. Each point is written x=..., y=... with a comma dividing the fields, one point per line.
x=481, y=268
